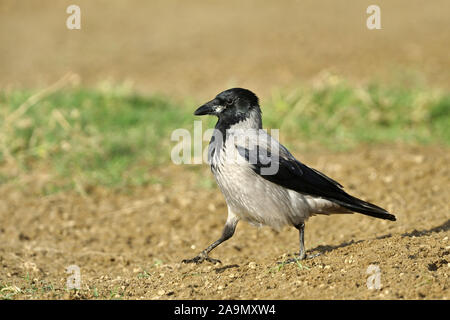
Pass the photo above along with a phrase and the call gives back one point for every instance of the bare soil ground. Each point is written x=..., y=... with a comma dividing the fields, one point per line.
x=130, y=246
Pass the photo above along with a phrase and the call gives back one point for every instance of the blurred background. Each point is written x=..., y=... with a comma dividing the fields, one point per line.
x=86, y=118
x=197, y=48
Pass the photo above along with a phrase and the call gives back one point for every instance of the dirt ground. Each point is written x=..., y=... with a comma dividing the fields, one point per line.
x=131, y=245
x=198, y=48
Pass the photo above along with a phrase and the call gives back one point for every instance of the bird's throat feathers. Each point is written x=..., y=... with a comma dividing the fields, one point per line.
x=227, y=124
x=248, y=120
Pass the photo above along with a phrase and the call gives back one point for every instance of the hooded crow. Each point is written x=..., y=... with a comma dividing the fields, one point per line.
x=261, y=180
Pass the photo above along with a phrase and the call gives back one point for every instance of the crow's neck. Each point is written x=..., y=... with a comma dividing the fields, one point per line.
x=250, y=120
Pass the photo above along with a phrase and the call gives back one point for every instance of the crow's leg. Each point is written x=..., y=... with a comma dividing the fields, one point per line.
x=301, y=231
x=227, y=233
x=302, y=254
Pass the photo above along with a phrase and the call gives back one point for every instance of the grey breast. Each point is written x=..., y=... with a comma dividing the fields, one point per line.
x=249, y=196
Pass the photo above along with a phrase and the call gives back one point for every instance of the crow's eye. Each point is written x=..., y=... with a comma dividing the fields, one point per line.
x=229, y=102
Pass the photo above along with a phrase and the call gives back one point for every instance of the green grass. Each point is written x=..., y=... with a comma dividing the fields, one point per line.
x=116, y=138
x=340, y=116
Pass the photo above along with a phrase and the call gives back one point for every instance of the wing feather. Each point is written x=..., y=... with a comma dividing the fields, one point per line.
x=294, y=175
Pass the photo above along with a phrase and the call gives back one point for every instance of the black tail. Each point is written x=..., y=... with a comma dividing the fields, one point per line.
x=369, y=209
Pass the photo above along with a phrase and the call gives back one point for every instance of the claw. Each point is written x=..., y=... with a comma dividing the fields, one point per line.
x=200, y=258
x=212, y=260
x=193, y=260
x=310, y=256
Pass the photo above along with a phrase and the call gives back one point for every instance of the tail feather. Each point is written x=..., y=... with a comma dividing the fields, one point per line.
x=366, y=208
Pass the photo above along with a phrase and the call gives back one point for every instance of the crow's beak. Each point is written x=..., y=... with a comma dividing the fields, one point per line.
x=208, y=108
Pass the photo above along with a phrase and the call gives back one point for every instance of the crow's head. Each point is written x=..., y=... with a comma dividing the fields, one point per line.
x=231, y=106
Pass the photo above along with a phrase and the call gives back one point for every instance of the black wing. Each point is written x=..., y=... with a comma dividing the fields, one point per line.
x=294, y=175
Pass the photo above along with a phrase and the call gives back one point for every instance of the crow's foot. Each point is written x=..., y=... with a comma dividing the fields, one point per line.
x=200, y=258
